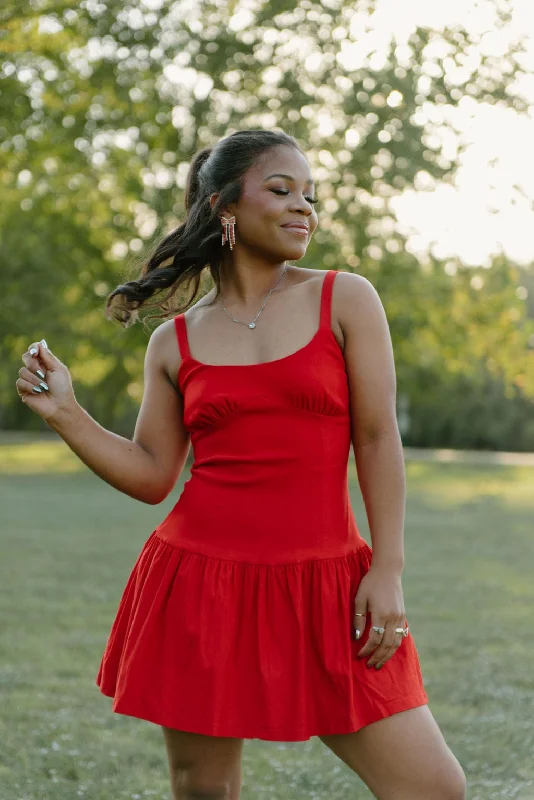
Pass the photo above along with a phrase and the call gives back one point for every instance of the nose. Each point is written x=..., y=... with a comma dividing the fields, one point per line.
x=302, y=205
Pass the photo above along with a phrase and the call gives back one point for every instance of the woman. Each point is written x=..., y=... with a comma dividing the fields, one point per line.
x=256, y=609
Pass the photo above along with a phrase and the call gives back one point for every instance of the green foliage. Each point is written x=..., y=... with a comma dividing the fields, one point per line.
x=103, y=105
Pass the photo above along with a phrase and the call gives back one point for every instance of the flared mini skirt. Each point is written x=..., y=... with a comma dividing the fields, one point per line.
x=228, y=648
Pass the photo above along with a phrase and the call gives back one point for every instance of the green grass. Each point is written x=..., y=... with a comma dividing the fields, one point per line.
x=69, y=541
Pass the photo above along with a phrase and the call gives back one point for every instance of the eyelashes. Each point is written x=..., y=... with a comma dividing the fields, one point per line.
x=312, y=200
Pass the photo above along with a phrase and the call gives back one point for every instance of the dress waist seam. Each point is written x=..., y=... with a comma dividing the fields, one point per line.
x=362, y=545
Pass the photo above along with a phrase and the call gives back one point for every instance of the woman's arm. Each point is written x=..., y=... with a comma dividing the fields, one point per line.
x=146, y=467
x=376, y=439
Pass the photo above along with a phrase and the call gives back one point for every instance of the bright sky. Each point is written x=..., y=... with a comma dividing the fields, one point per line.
x=498, y=166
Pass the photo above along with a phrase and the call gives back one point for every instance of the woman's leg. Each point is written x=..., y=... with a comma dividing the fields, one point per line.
x=402, y=757
x=203, y=767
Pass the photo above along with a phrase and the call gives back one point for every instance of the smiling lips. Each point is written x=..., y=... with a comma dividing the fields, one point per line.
x=297, y=227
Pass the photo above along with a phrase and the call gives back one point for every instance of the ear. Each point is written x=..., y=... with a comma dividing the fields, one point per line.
x=228, y=211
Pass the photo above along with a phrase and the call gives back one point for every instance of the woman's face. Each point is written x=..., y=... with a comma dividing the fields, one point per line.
x=274, y=201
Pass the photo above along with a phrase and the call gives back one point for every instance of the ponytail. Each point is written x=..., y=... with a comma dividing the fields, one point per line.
x=123, y=302
x=192, y=184
x=181, y=257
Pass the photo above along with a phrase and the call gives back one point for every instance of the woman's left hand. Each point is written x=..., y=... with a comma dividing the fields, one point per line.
x=380, y=595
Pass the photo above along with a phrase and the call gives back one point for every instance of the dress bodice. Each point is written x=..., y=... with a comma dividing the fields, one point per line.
x=271, y=444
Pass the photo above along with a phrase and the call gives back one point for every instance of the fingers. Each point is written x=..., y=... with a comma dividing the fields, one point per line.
x=31, y=358
x=34, y=380
x=50, y=361
x=392, y=649
x=389, y=643
x=382, y=646
x=374, y=640
x=39, y=359
x=360, y=616
x=25, y=387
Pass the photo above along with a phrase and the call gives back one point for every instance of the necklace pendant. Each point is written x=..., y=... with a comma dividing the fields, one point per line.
x=251, y=324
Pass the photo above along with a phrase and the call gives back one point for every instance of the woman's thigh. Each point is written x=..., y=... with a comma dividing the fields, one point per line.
x=207, y=766
x=402, y=757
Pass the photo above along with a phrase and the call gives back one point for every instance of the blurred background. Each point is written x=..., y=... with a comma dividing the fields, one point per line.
x=418, y=122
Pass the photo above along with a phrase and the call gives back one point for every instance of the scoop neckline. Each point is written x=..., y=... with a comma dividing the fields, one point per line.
x=308, y=344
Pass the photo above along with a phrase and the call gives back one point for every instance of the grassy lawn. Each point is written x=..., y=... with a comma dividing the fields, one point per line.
x=69, y=541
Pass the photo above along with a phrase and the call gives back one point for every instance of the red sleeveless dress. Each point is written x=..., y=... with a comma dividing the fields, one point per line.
x=237, y=617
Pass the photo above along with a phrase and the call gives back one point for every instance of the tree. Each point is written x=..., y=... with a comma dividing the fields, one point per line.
x=104, y=105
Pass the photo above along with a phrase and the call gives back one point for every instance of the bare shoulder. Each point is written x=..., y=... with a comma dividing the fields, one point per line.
x=349, y=287
x=356, y=301
x=162, y=338
x=306, y=280
x=354, y=288
x=162, y=350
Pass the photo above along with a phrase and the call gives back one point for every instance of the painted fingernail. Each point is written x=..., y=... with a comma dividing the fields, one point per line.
x=37, y=389
x=380, y=666
x=43, y=342
x=44, y=385
x=33, y=351
x=357, y=633
x=40, y=373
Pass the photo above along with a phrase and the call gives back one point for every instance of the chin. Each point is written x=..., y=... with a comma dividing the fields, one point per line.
x=293, y=253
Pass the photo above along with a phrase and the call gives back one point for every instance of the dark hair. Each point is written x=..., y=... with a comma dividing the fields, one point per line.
x=196, y=243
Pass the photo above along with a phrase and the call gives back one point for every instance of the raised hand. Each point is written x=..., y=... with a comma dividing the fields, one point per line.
x=44, y=382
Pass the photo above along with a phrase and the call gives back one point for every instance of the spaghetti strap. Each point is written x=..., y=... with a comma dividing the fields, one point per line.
x=326, y=298
x=181, y=334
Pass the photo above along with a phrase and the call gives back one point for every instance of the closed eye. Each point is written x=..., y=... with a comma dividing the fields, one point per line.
x=286, y=192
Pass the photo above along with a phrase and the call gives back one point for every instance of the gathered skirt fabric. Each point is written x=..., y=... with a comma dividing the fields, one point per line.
x=264, y=651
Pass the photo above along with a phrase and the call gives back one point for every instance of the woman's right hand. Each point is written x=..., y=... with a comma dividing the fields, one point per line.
x=59, y=396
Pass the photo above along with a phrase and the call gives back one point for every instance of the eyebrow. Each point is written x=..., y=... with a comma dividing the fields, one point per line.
x=282, y=175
